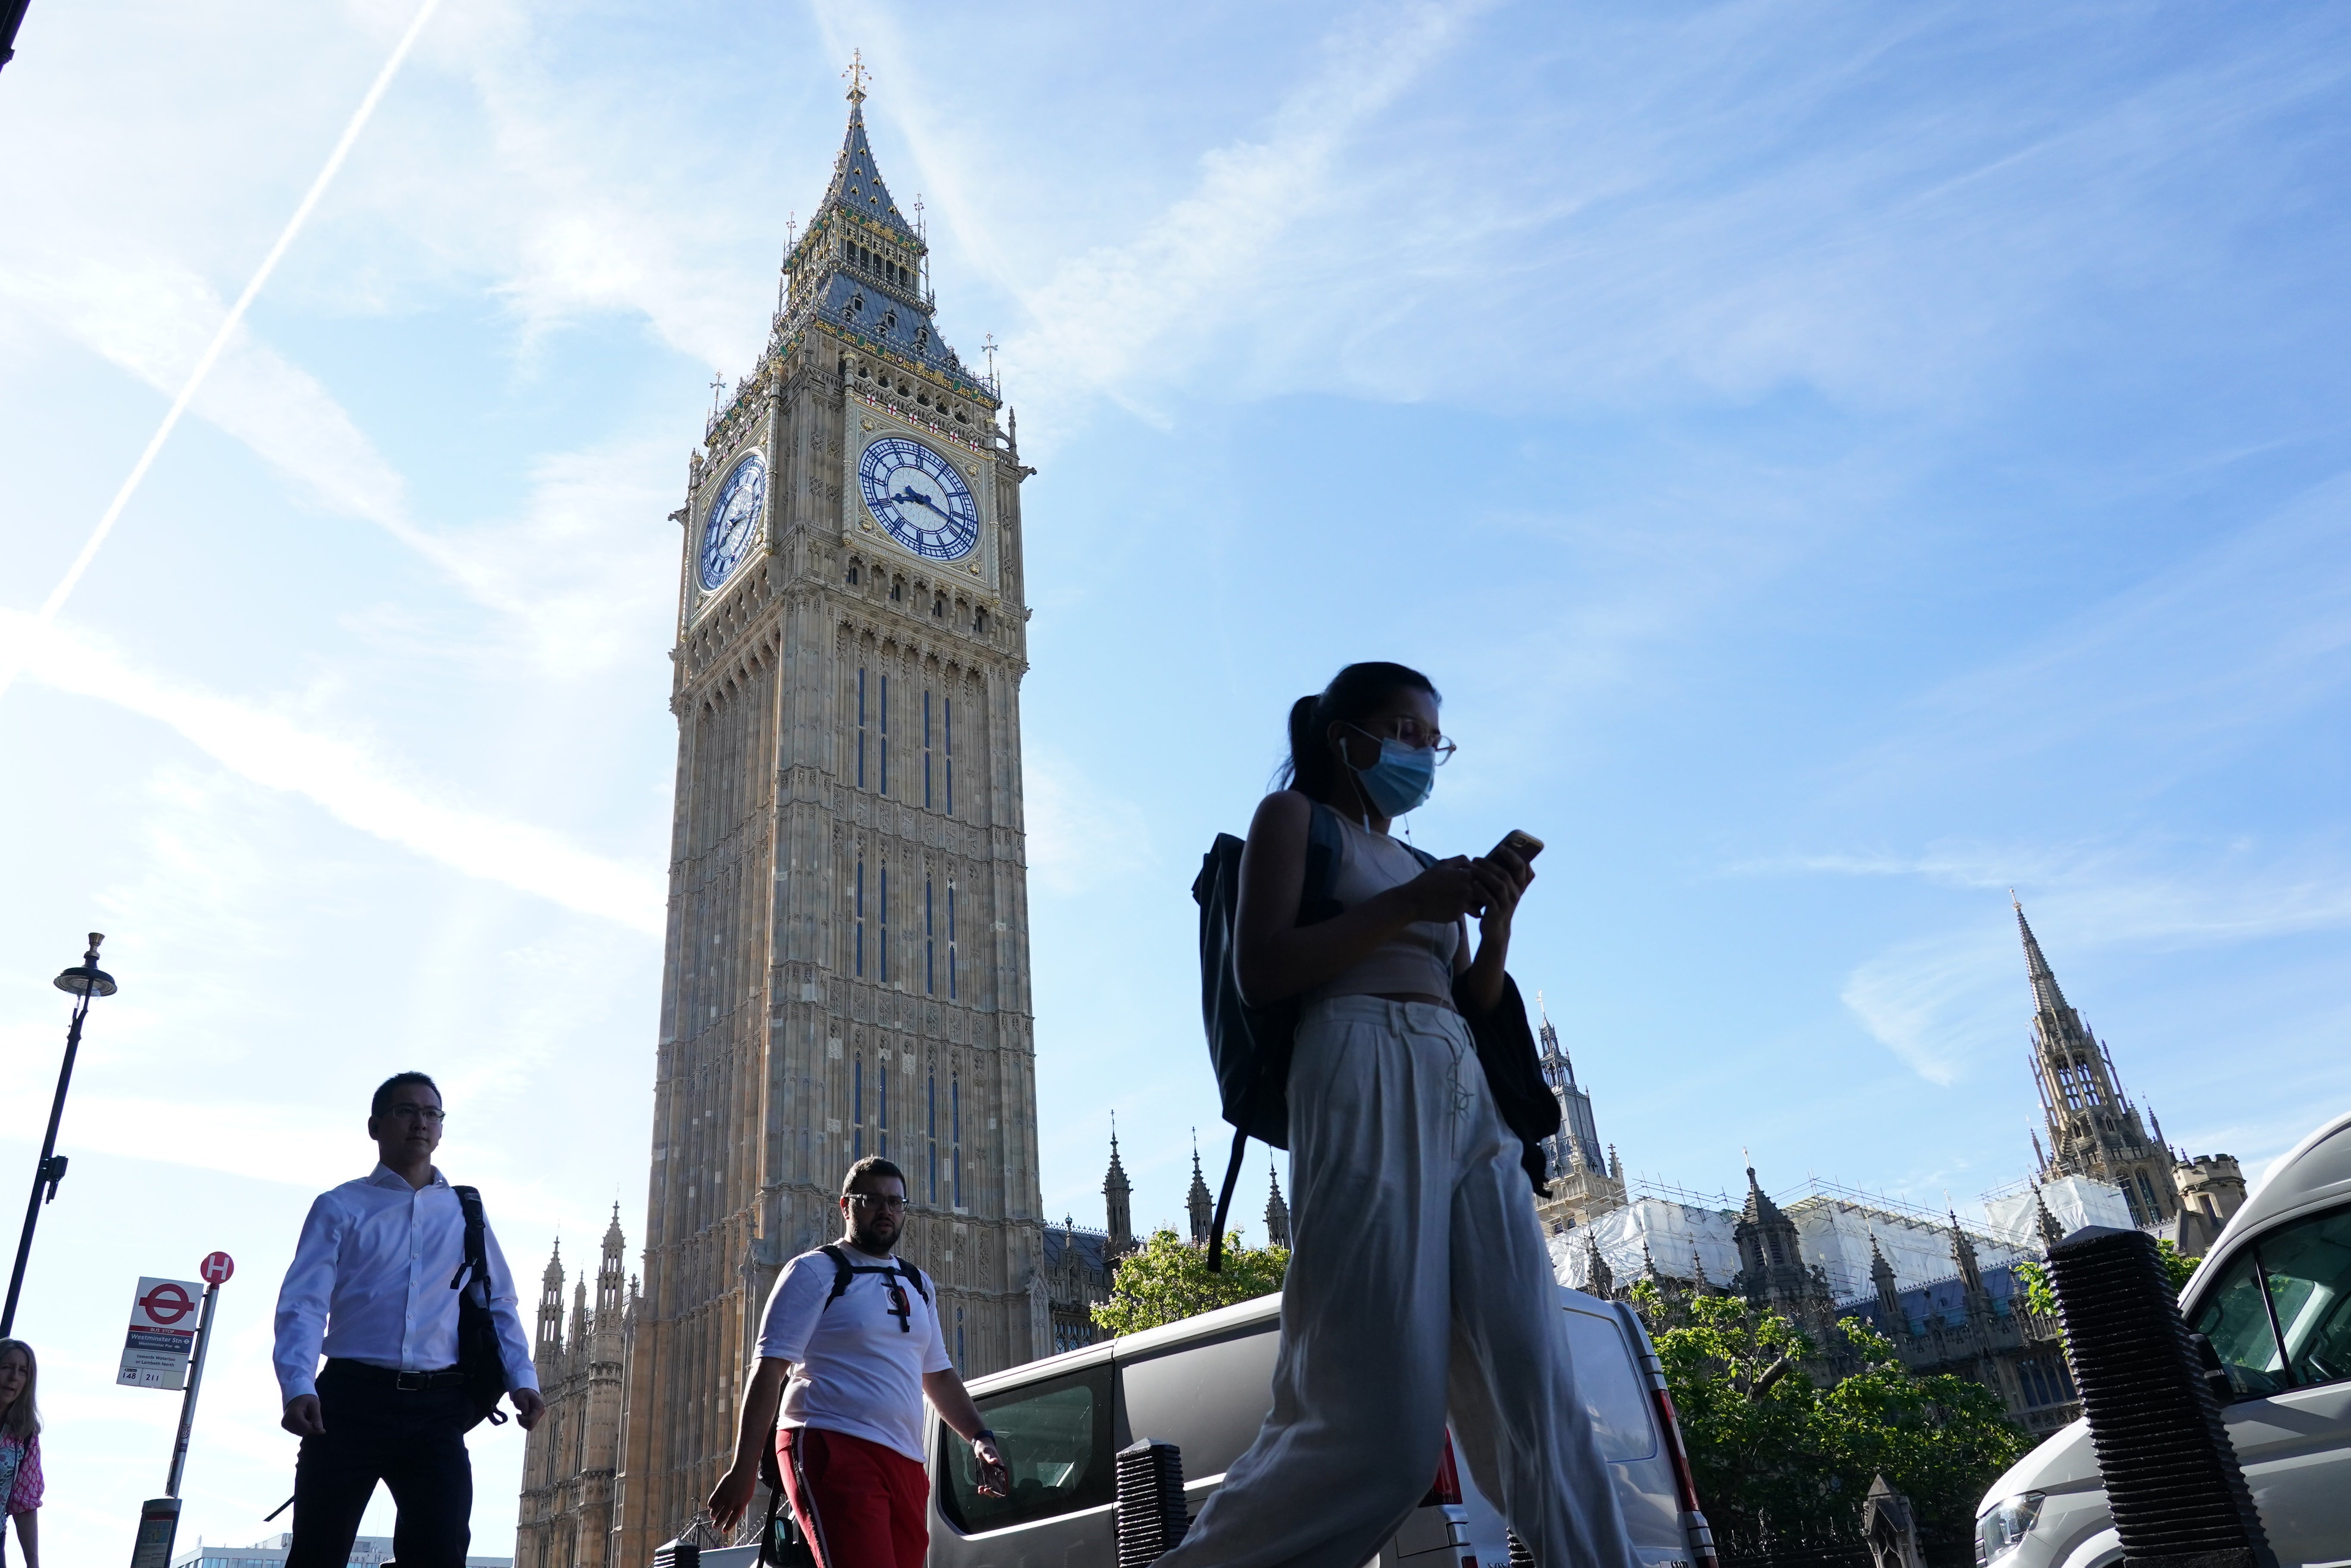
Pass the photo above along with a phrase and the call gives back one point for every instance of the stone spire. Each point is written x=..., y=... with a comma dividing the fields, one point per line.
x=862, y=268
x=550, y=1303
x=1118, y=1198
x=580, y=1312
x=1963, y=1253
x=1881, y=1275
x=2045, y=1222
x=1597, y=1280
x=1576, y=1145
x=1771, y=1265
x=2094, y=1129
x=2046, y=997
x=1199, y=1201
x=611, y=1274
x=1700, y=1283
x=1277, y=1212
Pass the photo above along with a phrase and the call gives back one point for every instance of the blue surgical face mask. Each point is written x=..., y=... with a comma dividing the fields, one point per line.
x=1402, y=780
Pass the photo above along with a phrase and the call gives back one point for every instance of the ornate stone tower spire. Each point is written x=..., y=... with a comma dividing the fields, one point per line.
x=1583, y=1184
x=2094, y=1130
x=610, y=1277
x=847, y=946
x=1881, y=1276
x=1199, y=1201
x=1597, y=1279
x=1118, y=1200
x=1963, y=1253
x=550, y=1310
x=1771, y=1267
x=1277, y=1212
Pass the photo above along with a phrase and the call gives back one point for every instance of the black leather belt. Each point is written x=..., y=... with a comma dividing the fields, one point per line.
x=392, y=1376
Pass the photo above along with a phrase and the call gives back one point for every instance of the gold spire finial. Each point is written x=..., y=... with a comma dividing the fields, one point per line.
x=856, y=73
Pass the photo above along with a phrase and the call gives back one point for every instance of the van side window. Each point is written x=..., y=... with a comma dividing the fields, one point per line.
x=1055, y=1435
x=2282, y=1316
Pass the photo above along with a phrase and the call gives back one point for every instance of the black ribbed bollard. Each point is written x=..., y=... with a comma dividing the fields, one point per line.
x=2173, y=1484
x=1151, y=1518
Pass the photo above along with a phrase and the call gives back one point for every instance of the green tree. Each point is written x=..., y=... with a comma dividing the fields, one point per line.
x=2042, y=1294
x=1167, y=1279
x=1783, y=1462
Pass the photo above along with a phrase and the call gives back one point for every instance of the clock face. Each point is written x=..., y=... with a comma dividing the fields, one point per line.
x=919, y=498
x=733, y=520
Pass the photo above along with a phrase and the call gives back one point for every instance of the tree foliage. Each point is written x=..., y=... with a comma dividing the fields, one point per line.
x=2040, y=1294
x=1166, y=1279
x=1783, y=1462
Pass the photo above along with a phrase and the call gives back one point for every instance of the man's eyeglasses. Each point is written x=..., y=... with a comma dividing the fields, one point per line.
x=431, y=1115
x=877, y=1201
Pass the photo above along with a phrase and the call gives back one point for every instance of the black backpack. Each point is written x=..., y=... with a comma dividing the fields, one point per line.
x=843, y=1271
x=1250, y=1046
x=478, y=1335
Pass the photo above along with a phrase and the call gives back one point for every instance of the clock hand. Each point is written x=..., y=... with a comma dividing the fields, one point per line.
x=919, y=499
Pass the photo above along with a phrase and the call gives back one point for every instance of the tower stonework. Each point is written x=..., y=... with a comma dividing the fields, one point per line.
x=847, y=954
x=1583, y=1184
x=2094, y=1130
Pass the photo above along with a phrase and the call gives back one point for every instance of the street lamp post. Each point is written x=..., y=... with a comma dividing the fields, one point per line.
x=83, y=981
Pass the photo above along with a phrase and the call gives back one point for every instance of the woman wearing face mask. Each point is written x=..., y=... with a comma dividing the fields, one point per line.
x=1419, y=1278
x=20, y=1446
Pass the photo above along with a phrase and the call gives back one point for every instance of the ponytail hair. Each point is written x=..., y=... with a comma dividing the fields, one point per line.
x=1354, y=692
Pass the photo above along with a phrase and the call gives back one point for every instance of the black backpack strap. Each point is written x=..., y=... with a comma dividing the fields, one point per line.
x=1225, y=1202
x=1325, y=845
x=913, y=1276
x=842, y=1274
x=476, y=1261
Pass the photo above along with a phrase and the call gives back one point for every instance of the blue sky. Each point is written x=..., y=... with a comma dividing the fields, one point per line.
x=1839, y=463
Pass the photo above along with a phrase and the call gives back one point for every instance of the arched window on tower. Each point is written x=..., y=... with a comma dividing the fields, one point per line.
x=852, y=574
x=978, y=621
x=931, y=1129
x=857, y=1107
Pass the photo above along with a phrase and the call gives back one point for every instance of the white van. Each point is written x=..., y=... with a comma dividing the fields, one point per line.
x=1206, y=1384
x=2273, y=1295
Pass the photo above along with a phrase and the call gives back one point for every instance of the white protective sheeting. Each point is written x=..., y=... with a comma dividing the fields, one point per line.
x=1670, y=1230
x=2075, y=1200
x=1835, y=1234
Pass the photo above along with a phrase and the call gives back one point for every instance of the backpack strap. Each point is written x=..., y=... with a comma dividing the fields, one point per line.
x=469, y=1202
x=843, y=1271
x=1325, y=845
x=1225, y=1202
x=842, y=1274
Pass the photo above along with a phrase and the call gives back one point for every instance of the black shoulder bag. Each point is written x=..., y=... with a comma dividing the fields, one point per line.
x=478, y=1335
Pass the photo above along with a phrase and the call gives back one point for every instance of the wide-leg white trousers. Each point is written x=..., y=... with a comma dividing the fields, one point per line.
x=1419, y=1276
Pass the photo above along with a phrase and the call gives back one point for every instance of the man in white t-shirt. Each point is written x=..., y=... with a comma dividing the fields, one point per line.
x=848, y=1348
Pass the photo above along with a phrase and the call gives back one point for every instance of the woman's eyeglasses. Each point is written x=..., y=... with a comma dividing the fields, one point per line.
x=1408, y=732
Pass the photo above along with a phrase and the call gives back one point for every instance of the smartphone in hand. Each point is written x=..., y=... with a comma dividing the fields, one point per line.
x=1521, y=843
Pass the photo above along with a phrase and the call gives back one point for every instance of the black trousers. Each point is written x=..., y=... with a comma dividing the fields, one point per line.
x=412, y=1442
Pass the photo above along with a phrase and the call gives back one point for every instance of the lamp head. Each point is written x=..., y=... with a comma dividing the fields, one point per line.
x=86, y=978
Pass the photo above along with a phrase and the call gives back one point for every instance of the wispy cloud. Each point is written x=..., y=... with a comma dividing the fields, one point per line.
x=347, y=778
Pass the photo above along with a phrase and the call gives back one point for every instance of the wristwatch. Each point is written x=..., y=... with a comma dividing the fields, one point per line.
x=983, y=1432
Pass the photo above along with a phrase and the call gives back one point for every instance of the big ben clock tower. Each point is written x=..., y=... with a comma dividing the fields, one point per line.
x=847, y=969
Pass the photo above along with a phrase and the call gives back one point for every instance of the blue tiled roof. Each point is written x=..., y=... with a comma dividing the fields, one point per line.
x=1939, y=1302
x=1060, y=1241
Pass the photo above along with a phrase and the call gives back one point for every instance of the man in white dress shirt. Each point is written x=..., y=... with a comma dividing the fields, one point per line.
x=370, y=1287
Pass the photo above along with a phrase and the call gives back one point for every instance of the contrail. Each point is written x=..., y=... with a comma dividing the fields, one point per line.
x=12, y=659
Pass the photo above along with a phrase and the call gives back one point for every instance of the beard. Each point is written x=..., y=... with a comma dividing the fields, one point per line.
x=875, y=1239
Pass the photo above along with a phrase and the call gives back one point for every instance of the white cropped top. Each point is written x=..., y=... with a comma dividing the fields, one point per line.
x=1417, y=961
